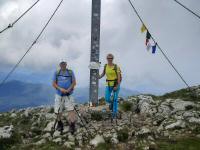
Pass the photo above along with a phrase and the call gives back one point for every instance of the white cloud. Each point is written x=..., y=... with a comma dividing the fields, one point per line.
x=68, y=37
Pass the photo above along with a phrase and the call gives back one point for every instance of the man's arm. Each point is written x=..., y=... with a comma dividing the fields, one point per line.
x=72, y=85
x=55, y=85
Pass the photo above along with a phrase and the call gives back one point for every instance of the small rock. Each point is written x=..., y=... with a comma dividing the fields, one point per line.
x=143, y=131
x=69, y=144
x=57, y=141
x=114, y=139
x=198, y=135
x=179, y=105
x=188, y=114
x=56, y=134
x=6, y=131
x=178, y=124
x=97, y=140
x=166, y=134
x=49, y=126
x=47, y=135
x=71, y=138
x=27, y=112
x=194, y=120
x=42, y=141
x=13, y=115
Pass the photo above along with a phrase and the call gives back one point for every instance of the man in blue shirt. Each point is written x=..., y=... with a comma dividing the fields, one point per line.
x=64, y=82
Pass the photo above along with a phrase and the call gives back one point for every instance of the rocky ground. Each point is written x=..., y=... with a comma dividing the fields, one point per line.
x=145, y=122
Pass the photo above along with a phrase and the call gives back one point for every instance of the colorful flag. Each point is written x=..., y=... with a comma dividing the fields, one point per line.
x=148, y=46
x=148, y=35
x=143, y=28
x=147, y=41
x=154, y=48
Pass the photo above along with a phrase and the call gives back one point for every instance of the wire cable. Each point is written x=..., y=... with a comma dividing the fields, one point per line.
x=195, y=14
x=12, y=24
x=165, y=56
x=34, y=42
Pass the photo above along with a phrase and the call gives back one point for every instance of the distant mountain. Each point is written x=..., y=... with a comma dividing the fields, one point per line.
x=17, y=94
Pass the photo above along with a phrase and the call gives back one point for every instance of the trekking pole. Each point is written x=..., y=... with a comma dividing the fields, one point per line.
x=82, y=121
x=56, y=121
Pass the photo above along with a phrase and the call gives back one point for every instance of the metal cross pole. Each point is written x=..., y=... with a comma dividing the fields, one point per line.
x=95, y=46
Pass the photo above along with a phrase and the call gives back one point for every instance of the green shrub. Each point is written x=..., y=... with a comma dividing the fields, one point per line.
x=8, y=143
x=126, y=106
x=122, y=135
x=186, y=143
x=102, y=101
x=51, y=110
x=103, y=146
x=96, y=116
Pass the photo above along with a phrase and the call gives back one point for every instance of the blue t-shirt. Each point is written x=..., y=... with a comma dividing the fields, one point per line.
x=64, y=80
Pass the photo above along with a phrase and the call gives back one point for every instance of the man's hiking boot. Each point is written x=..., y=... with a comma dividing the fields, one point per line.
x=60, y=126
x=72, y=127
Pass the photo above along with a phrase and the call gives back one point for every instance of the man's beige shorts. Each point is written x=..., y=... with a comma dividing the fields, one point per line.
x=63, y=102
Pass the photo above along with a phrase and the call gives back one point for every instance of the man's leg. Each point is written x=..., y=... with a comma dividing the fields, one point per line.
x=58, y=109
x=71, y=113
x=115, y=102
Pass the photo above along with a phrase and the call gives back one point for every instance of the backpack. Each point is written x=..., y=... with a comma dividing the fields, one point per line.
x=115, y=68
x=58, y=74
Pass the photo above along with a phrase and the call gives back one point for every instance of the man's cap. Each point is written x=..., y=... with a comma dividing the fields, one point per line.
x=63, y=62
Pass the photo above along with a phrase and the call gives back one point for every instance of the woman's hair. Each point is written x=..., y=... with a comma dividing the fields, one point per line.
x=110, y=55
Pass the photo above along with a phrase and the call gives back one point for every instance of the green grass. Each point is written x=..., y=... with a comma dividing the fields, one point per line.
x=47, y=146
x=122, y=135
x=96, y=116
x=126, y=106
x=103, y=146
x=6, y=144
x=184, y=94
x=189, y=143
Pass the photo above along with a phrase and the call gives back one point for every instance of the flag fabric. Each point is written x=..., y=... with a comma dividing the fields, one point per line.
x=146, y=42
x=154, y=48
x=143, y=28
x=148, y=35
x=148, y=46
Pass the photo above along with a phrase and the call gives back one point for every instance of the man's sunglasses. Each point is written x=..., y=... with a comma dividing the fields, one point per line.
x=110, y=58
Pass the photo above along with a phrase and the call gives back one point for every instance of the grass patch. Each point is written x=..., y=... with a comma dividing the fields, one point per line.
x=6, y=144
x=184, y=94
x=103, y=146
x=102, y=101
x=126, y=106
x=98, y=116
x=122, y=135
x=51, y=110
x=189, y=143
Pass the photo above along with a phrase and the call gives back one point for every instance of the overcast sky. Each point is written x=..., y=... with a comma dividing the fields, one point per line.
x=68, y=38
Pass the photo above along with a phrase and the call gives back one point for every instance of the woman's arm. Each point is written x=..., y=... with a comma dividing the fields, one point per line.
x=118, y=78
x=102, y=75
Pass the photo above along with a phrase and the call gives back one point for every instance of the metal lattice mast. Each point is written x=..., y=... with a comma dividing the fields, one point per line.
x=95, y=46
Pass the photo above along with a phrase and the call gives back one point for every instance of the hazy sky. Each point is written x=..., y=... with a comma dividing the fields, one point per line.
x=68, y=38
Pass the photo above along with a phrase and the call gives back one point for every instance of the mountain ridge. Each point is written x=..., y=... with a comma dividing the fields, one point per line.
x=145, y=122
x=18, y=94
